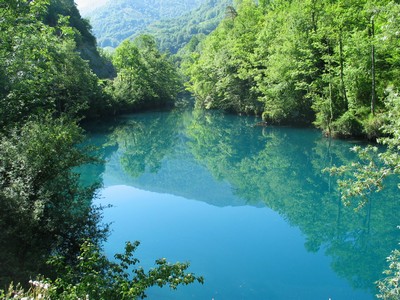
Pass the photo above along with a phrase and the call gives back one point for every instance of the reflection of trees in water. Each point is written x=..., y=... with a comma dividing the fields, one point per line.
x=25, y=248
x=283, y=168
x=280, y=167
x=220, y=141
x=145, y=139
x=43, y=208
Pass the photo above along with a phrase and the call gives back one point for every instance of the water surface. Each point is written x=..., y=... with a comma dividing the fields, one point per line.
x=248, y=206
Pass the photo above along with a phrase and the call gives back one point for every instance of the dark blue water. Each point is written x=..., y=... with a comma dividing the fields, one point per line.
x=249, y=207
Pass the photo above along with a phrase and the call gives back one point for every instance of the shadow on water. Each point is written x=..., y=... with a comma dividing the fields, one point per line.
x=27, y=244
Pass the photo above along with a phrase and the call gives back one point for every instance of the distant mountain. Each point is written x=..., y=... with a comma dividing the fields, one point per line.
x=173, y=34
x=120, y=19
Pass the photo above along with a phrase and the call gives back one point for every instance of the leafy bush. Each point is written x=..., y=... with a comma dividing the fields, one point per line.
x=373, y=126
x=146, y=78
x=96, y=277
x=43, y=208
x=347, y=125
x=389, y=287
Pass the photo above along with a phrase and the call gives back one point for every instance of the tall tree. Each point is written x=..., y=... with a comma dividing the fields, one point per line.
x=42, y=71
x=221, y=77
x=146, y=78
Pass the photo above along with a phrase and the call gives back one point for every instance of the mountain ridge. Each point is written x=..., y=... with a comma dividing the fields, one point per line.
x=174, y=34
x=120, y=19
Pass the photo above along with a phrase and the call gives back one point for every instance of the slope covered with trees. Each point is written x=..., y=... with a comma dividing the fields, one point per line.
x=120, y=19
x=173, y=34
x=85, y=41
x=41, y=69
x=328, y=63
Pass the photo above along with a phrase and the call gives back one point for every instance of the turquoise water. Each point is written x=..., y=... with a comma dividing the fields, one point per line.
x=249, y=207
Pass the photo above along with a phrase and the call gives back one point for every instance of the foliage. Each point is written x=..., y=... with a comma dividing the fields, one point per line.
x=146, y=78
x=41, y=69
x=86, y=43
x=96, y=277
x=368, y=176
x=220, y=77
x=389, y=287
x=38, y=290
x=111, y=280
x=35, y=161
x=322, y=62
x=43, y=208
x=173, y=34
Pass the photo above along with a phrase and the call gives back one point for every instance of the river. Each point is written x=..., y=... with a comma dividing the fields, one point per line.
x=249, y=207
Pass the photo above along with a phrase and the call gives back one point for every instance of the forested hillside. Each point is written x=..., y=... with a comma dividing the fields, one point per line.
x=85, y=41
x=333, y=64
x=172, y=34
x=120, y=19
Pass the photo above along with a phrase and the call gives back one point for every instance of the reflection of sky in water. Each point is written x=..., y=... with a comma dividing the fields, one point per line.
x=180, y=176
x=243, y=252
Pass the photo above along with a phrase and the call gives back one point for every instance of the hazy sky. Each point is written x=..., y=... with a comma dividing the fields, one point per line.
x=86, y=5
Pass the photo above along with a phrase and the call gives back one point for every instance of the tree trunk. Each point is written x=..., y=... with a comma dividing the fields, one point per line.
x=373, y=92
x=343, y=87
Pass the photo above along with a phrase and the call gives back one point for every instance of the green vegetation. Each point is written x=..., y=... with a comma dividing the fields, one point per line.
x=95, y=277
x=46, y=89
x=362, y=179
x=41, y=69
x=118, y=20
x=85, y=41
x=389, y=287
x=146, y=78
x=172, y=23
x=334, y=64
x=327, y=63
x=173, y=34
x=43, y=209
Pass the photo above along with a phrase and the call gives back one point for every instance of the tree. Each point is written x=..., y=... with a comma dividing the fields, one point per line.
x=42, y=71
x=221, y=75
x=96, y=277
x=146, y=78
x=288, y=61
x=305, y=61
x=43, y=207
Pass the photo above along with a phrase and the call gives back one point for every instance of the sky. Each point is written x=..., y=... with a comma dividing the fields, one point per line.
x=88, y=5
